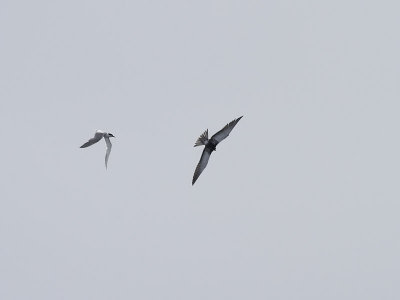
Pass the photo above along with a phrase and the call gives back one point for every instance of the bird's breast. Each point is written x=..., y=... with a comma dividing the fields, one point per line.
x=212, y=145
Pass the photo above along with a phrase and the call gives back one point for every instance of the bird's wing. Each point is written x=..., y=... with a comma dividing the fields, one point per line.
x=109, y=146
x=202, y=164
x=97, y=137
x=224, y=132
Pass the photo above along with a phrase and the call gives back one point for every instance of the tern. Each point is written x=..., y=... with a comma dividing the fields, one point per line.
x=210, y=146
x=97, y=137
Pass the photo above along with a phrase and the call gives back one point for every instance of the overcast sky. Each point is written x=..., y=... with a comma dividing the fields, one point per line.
x=300, y=202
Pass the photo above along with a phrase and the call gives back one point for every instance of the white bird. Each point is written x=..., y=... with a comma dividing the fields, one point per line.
x=97, y=137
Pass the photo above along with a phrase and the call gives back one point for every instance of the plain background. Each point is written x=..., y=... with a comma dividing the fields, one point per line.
x=300, y=202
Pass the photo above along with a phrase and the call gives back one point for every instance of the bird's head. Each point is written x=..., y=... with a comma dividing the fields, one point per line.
x=111, y=135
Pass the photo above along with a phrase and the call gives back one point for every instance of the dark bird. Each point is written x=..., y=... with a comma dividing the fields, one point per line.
x=210, y=146
x=97, y=137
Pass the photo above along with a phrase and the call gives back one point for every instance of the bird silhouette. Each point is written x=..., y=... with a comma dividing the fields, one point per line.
x=210, y=146
x=97, y=137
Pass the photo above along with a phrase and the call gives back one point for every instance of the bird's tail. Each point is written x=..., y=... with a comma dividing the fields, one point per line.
x=202, y=140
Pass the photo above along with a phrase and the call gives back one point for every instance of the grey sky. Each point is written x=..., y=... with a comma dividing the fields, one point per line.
x=300, y=202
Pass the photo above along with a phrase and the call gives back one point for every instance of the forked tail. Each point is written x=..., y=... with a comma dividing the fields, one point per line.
x=202, y=140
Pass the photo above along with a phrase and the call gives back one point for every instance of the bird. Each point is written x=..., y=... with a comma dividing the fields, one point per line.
x=97, y=137
x=210, y=146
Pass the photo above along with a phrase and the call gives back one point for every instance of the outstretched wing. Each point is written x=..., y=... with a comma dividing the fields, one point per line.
x=224, y=132
x=97, y=137
x=202, y=164
x=109, y=146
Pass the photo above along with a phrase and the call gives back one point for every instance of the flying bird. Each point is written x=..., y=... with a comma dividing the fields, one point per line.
x=97, y=137
x=210, y=146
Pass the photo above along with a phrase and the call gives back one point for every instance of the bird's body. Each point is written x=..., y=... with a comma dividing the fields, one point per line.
x=97, y=137
x=210, y=145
